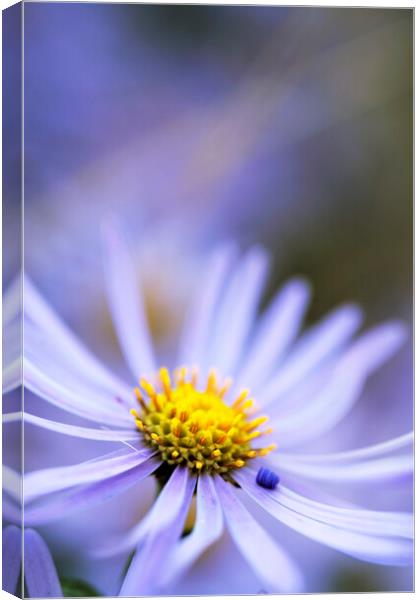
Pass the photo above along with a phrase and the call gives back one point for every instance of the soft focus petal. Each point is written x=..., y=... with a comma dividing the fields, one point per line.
x=403, y=441
x=12, y=483
x=73, y=430
x=207, y=529
x=378, y=549
x=385, y=470
x=276, y=330
x=45, y=481
x=126, y=305
x=316, y=346
x=12, y=375
x=168, y=503
x=64, y=503
x=237, y=311
x=144, y=573
x=330, y=405
x=40, y=574
x=64, y=341
x=277, y=571
x=11, y=557
x=12, y=301
x=200, y=317
x=80, y=401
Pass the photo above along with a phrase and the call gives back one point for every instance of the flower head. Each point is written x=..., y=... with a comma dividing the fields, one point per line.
x=201, y=433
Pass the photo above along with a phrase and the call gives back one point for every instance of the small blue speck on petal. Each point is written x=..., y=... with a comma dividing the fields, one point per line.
x=267, y=479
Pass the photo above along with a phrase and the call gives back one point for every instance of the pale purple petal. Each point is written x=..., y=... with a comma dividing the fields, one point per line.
x=126, y=305
x=167, y=505
x=12, y=301
x=64, y=503
x=66, y=343
x=11, y=558
x=399, y=443
x=107, y=435
x=379, y=470
x=237, y=311
x=12, y=483
x=382, y=523
x=43, y=352
x=386, y=550
x=316, y=346
x=41, y=577
x=45, y=481
x=277, y=571
x=80, y=401
x=276, y=330
x=347, y=380
x=11, y=511
x=12, y=375
x=144, y=573
x=207, y=529
x=200, y=317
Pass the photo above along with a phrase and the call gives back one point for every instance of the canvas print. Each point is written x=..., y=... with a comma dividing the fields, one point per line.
x=207, y=300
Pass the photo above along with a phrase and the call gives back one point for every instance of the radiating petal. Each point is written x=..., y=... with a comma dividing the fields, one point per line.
x=276, y=330
x=167, y=504
x=126, y=305
x=208, y=528
x=383, y=523
x=12, y=375
x=386, y=550
x=11, y=558
x=12, y=483
x=41, y=577
x=335, y=400
x=12, y=300
x=316, y=346
x=107, y=435
x=54, y=479
x=79, y=401
x=66, y=344
x=368, y=452
x=64, y=503
x=197, y=328
x=11, y=511
x=237, y=311
x=143, y=575
x=385, y=470
x=277, y=571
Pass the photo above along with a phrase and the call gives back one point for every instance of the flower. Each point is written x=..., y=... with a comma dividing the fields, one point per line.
x=40, y=575
x=195, y=426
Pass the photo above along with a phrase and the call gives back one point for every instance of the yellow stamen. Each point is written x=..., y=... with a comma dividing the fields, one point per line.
x=195, y=427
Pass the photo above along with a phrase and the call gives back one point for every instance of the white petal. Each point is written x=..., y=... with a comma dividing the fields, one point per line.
x=12, y=376
x=126, y=305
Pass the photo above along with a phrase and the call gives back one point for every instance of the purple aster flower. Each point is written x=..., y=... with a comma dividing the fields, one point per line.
x=40, y=575
x=197, y=428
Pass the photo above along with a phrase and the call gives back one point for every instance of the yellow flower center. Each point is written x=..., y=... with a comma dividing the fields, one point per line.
x=195, y=427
